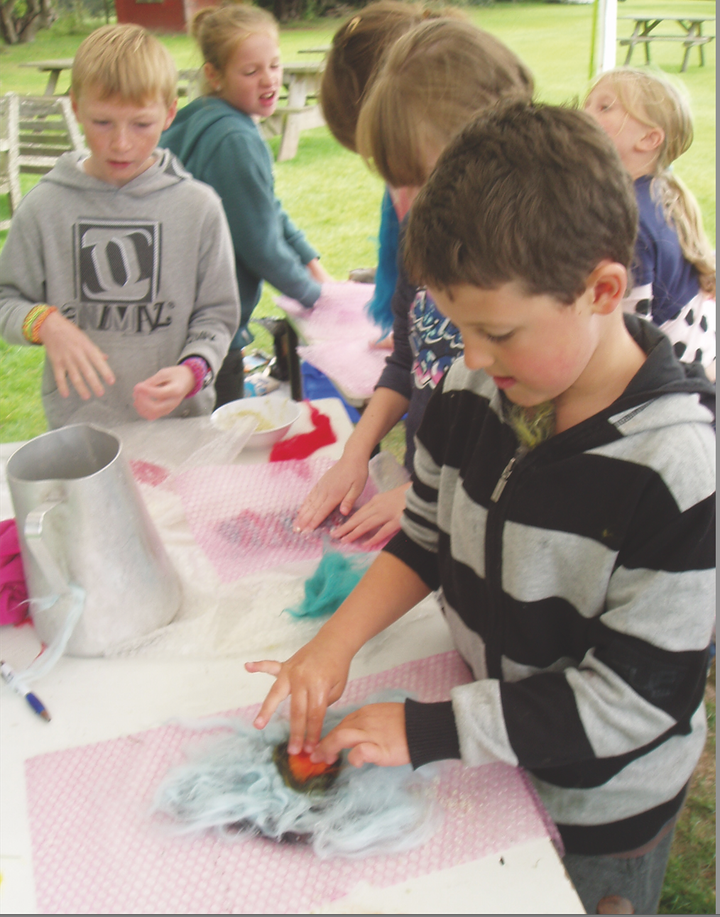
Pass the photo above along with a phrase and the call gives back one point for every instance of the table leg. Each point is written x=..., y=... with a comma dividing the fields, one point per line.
x=290, y=342
x=631, y=45
x=686, y=57
x=52, y=82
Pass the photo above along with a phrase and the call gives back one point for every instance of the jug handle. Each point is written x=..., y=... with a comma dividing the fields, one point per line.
x=33, y=536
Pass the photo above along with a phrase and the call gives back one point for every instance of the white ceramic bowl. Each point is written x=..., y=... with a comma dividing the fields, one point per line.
x=275, y=415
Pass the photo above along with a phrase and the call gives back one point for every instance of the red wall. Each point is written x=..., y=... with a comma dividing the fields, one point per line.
x=166, y=16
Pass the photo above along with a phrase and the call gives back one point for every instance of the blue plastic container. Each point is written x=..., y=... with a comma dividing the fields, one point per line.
x=317, y=385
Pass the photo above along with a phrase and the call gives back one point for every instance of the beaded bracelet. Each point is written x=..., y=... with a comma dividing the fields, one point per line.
x=202, y=372
x=33, y=321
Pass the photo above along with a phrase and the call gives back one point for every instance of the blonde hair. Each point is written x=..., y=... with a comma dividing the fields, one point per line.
x=353, y=60
x=653, y=100
x=219, y=30
x=433, y=80
x=125, y=60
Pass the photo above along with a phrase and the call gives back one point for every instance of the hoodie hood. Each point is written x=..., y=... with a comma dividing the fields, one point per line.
x=662, y=373
x=192, y=123
x=164, y=172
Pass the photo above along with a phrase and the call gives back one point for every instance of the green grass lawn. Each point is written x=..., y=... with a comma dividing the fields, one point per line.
x=335, y=199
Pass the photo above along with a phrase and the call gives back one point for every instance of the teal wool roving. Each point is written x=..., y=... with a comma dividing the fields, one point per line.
x=333, y=581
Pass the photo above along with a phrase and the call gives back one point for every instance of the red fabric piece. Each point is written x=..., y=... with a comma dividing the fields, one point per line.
x=304, y=444
x=14, y=606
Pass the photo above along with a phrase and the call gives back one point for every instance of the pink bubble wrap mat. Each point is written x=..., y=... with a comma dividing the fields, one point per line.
x=242, y=516
x=338, y=337
x=96, y=849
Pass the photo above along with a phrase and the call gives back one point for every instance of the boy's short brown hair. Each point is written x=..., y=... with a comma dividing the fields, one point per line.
x=432, y=81
x=125, y=60
x=527, y=193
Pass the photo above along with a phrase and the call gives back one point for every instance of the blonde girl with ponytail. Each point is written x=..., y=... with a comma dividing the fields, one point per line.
x=649, y=120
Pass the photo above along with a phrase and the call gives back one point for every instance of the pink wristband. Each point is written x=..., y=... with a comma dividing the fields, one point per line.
x=202, y=372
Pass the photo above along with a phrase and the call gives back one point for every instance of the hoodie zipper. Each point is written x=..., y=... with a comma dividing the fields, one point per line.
x=493, y=567
x=520, y=452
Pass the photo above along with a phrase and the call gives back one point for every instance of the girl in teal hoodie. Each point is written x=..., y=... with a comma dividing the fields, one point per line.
x=217, y=139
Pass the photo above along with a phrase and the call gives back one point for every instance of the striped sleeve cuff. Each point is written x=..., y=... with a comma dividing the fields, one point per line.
x=431, y=732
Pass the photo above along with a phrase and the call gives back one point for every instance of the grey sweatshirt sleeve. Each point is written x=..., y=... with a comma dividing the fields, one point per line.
x=22, y=274
x=216, y=313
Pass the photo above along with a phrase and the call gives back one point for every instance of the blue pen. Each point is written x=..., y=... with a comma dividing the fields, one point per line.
x=19, y=688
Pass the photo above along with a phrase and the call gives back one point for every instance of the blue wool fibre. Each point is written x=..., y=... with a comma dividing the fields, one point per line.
x=234, y=787
x=333, y=581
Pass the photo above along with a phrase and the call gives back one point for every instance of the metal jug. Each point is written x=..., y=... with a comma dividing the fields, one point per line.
x=81, y=521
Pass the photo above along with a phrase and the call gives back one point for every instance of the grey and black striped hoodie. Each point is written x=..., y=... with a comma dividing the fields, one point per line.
x=580, y=592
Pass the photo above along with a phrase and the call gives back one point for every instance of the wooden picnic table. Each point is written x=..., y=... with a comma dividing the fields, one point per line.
x=319, y=49
x=301, y=112
x=53, y=68
x=691, y=37
x=301, y=80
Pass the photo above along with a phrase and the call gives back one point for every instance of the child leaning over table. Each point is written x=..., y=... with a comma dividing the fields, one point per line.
x=217, y=139
x=134, y=301
x=562, y=501
x=433, y=80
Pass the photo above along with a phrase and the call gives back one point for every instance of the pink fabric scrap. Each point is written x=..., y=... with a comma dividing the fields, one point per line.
x=13, y=588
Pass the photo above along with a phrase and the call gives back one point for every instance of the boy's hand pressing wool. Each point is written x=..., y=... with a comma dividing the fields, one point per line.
x=375, y=733
x=313, y=678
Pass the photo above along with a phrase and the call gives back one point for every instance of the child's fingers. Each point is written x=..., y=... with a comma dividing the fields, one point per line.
x=277, y=693
x=365, y=520
x=341, y=737
x=298, y=721
x=383, y=533
x=376, y=733
x=313, y=512
x=100, y=361
x=82, y=374
x=61, y=380
x=314, y=716
x=267, y=666
x=365, y=753
x=348, y=501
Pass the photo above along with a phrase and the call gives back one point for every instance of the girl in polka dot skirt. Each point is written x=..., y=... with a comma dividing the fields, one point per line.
x=650, y=123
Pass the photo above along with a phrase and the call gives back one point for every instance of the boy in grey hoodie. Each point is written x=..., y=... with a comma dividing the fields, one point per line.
x=118, y=262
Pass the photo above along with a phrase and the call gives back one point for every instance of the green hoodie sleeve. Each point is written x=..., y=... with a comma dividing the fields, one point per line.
x=268, y=245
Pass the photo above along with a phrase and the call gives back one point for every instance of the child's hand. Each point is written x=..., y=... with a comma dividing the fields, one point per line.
x=384, y=343
x=340, y=486
x=314, y=678
x=163, y=392
x=318, y=272
x=74, y=357
x=375, y=733
x=383, y=513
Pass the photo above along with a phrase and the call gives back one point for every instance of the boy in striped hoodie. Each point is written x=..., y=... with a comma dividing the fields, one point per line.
x=562, y=504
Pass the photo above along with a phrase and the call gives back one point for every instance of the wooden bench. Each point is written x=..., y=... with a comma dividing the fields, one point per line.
x=34, y=132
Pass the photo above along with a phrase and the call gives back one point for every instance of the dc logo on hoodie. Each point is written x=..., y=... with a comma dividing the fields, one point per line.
x=117, y=261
